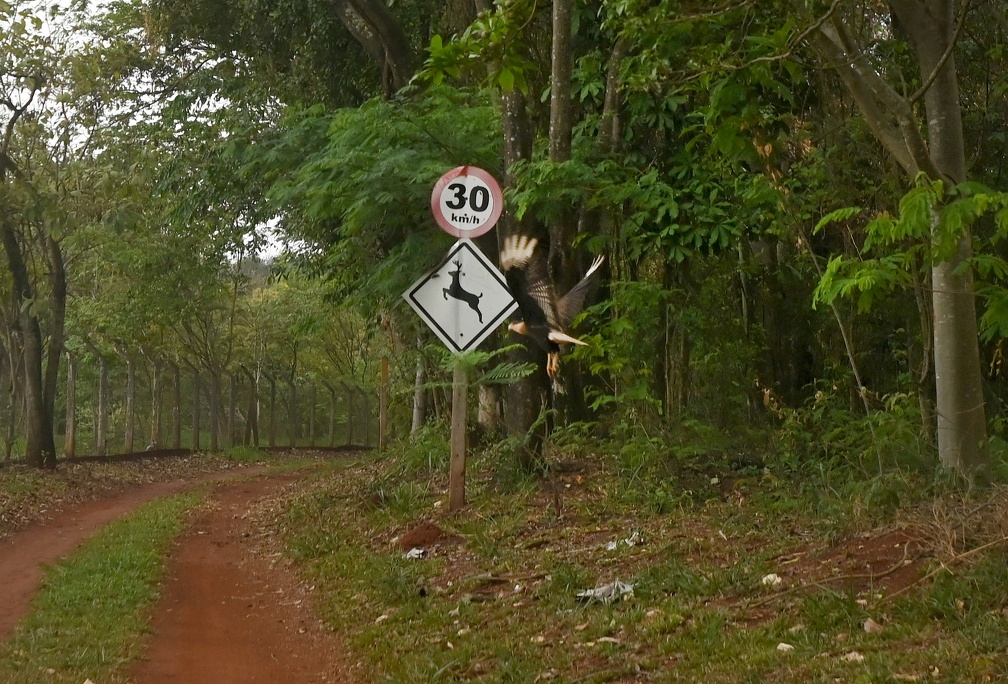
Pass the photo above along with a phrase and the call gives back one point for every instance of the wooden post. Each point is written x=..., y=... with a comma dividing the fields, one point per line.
x=383, y=406
x=70, y=438
x=459, y=427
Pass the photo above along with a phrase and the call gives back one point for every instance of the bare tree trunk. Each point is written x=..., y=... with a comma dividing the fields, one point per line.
x=130, y=402
x=312, y=398
x=526, y=398
x=40, y=448
x=101, y=440
x=332, y=415
x=214, y=410
x=272, y=420
x=177, y=409
x=962, y=422
x=70, y=436
x=252, y=423
x=488, y=415
x=292, y=417
x=349, y=415
x=419, y=397
x=232, y=427
x=156, y=391
x=931, y=28
x=196, y=427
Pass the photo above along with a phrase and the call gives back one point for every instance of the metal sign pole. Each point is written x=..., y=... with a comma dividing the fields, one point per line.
x=465, y=298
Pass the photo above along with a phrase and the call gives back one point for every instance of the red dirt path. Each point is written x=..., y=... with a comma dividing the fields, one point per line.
x=229, y=611
x=24, y=554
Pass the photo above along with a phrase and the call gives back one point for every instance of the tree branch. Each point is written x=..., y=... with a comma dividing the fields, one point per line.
x=920, y=92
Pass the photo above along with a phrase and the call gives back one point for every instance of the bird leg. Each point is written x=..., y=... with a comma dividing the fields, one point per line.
x=553, y=365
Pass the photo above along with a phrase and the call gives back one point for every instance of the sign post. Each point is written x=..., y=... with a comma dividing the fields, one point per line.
x=465, y=298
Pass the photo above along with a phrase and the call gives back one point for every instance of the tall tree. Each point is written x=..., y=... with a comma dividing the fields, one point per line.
x=927, y=140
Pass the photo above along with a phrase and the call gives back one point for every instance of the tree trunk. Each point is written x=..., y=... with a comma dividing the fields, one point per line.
x=930, y=25
x=332, y=415
x=312, y=398
x=57, y=326
x=419, y=397
x=349, y=415
x=177, y=409
x=272, y=420
x=101, y=440
x=214, y=410
x=40, y=447
x=252, y=424
x=130, y=403
x=377, y=30
x=232, y=427
x=196, y=427
x=292, y=417
x=70, y=436
x=155, y=424
x=525, y=398
x=962, y=423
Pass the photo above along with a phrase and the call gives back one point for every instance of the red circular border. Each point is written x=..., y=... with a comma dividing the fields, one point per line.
x=495, y=192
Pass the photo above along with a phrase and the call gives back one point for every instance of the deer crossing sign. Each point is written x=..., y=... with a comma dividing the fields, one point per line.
x=462, y=300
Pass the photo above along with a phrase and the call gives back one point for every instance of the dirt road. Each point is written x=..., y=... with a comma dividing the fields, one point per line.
x=231, y=609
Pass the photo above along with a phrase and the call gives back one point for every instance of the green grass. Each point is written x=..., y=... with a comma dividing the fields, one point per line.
x=90, y=615
x=500, y=605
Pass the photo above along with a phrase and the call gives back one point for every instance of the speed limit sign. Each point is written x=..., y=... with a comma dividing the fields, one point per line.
x=466, y=202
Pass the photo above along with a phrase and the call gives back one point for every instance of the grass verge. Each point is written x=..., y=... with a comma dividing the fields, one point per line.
x=738, y=576
x=90, y=615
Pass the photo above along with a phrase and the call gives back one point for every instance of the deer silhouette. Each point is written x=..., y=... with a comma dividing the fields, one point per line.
x=456, y=291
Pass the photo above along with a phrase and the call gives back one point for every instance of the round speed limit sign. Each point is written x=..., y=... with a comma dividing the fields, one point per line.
x=467, y=202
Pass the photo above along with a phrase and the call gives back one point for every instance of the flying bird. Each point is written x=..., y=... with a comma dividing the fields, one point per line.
x=524, y=261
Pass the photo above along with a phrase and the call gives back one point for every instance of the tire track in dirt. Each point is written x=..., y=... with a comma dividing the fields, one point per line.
x=228, y=613
x=24, y=554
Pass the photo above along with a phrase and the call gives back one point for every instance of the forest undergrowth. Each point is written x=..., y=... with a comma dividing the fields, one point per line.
x=660, y=556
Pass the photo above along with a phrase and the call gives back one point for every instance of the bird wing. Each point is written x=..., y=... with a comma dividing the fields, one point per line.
x=524, y=262
x=571, y=304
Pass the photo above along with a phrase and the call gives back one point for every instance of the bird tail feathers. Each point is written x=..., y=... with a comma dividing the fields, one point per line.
x=595, y=265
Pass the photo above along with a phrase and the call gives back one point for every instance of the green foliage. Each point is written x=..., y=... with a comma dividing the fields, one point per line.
x=362, y=196
x=493, y=47
x=928, y=228
x=498, y=370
